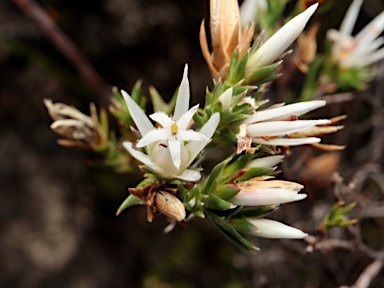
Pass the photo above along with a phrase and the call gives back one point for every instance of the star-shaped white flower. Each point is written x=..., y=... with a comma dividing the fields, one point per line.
x=173, y=132
x=360, y=50
x=167, y=153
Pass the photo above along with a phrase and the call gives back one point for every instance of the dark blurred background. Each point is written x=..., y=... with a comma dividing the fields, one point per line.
x=57, y=214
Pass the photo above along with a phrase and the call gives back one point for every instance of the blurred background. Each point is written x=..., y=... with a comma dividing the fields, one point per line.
x=57, y=214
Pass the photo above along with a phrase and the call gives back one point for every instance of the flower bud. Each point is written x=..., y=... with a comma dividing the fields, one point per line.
x=257, y=192
x=226, y=36
x=279, y=42
x=272, y=229
x=169, y=205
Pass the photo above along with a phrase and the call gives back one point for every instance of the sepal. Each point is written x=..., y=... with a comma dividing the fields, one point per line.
x=131, y=200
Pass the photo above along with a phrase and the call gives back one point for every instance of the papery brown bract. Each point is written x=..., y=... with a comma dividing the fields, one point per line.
x=226, y=36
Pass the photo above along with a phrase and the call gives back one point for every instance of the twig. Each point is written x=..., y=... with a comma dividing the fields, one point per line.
x=369, y=273
x=65, y=45
x=326, y=245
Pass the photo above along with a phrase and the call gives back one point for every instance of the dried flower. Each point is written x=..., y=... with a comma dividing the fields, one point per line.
x=167, y=154
x=226, y=36
x=79, y=129
x=305, y=50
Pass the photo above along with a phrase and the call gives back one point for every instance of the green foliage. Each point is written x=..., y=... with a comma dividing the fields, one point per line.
x=337, y=217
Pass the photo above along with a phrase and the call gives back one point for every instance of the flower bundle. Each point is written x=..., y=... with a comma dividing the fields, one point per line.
x=219, y=161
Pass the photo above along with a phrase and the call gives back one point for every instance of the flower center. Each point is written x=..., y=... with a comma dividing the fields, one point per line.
x=174, y=128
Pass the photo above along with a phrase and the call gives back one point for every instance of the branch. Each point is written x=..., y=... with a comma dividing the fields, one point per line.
x=369, y=273
x=64, y=45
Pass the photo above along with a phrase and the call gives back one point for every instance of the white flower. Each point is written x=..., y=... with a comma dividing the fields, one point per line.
x=167, y=154
x=249, y=10
x=266, y=162
x=272, y=229
x=259, y=191
x=279, y=42
x=360, y=50
x=273, y=126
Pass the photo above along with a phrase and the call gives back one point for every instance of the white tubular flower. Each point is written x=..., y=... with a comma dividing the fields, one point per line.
x=272, y=229
x=279, y=42
x=259, y=192
x=167, y=154
x=273, y=126
x=362, y=49
x=248, y=10
x=266, y=162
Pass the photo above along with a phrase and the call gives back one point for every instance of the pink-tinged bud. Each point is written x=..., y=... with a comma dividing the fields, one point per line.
x=257, y=192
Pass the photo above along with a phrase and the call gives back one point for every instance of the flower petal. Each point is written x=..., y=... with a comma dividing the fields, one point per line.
x=371, y=31
x=175, y=150
x=272, y=229
x=143, y=158
x=286, y=141
x=282, y=112
x=350, y=17
x=182, y=102
x=191, y=135
x=189, y=175
x=141, y=120
x=163, y=119
x=248, y=12
x=195, y=147
x=372, y=58
x=186, y=118
x=152, y=136
x=278, y=128
x=266, y=196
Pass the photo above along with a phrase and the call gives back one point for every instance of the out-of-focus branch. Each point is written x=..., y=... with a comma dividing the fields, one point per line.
x=367, y=275
x=326, y=245
x=65, y=46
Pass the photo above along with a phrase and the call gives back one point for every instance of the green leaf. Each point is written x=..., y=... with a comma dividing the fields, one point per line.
x=231, y=233
x=254, y=172
x=242, y=225
x=259, y=212
x=264, y=74
x=131, y=200
x=159, y=104
x=214, y=202
x=227, y=192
